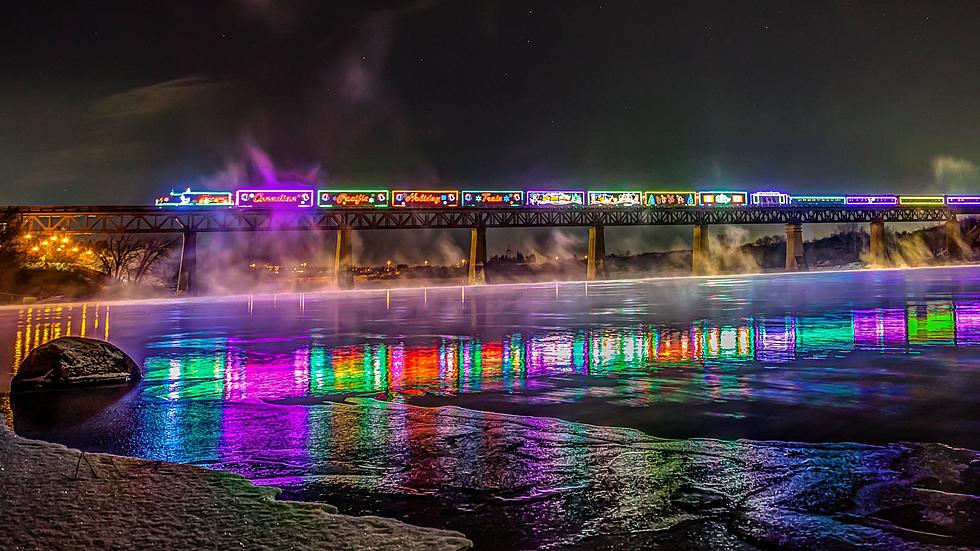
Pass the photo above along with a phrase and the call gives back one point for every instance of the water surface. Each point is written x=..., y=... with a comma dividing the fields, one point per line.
x=319, y=393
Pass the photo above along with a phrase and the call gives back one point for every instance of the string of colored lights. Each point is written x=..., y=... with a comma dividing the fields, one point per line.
x=299, y=197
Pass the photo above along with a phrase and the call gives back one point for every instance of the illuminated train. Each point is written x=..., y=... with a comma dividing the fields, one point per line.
x=450, y=199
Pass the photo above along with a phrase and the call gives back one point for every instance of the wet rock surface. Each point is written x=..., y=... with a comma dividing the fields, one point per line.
x=74, y=362
x=521, y=482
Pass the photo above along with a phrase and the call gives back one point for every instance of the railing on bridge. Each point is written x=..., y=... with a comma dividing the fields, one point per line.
x=89, y=220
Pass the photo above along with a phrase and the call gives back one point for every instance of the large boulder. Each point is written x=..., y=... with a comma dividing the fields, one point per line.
x=75, y=361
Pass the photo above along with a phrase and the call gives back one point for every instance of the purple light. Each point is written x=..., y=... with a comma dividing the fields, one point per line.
x=956, y=200
x=968, y=323
x=555, y=198
x=879, y=328
x=271, y=198
x=872, y=200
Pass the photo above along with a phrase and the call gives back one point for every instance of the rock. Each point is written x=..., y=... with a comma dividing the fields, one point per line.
x=75, y=361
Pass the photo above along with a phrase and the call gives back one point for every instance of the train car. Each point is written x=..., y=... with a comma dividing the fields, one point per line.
x=817, y=200
x=353, y=198
x=723, y=198
x=662, y=199
x=768, y=199
x=871, y=200
x=962, y=200
x=275, y=198
x=921, y=200
x=492, y=199
x=188, y=198
x=555, y=198
x=411, y=198
x=615, y=198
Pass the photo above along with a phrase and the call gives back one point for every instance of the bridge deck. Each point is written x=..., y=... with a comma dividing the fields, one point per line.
x=142, y=219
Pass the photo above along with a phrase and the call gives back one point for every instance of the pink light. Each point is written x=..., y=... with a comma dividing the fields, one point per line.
x=871, y=200
x=266, y=198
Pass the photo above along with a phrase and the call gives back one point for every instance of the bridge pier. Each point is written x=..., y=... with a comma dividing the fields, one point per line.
x=700, y=250
x=187, y=272
x=954, y=239
x=595, y=264
x=795, y=259
x=879, y=252
x=343, y=264
x=477, y=260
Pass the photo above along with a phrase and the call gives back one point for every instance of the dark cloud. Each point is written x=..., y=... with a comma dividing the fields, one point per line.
x=119, y=101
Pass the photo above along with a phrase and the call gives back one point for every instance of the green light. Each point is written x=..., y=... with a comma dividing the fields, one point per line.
x=922, y=200
x=353, y=198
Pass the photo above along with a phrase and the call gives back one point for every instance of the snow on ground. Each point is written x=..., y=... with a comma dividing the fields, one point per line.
x=114, y=502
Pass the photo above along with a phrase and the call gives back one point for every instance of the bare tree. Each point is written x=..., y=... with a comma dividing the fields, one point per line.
x=11, y=251
x=116, y=255
x=150, y=253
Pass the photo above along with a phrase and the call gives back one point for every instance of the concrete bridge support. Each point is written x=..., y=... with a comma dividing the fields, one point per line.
x=595, y=264
x=187, y=273
x=954, y=239
x=700, y=250
x=795, y=259
x=879, y=251
x=478, y=256
x=343, y=261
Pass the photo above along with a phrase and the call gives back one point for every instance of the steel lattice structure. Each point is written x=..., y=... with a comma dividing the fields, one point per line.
x=109, y=220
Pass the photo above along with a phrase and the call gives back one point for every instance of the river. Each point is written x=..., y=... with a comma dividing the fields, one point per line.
x=724, y=412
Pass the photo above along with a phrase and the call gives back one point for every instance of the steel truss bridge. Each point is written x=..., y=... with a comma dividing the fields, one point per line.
x=121, y=220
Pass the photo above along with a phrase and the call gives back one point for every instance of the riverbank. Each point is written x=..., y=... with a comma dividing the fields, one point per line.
x=57, y=497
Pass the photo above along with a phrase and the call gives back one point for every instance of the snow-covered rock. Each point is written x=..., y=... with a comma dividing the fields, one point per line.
x=53, y=497
x=75, y=361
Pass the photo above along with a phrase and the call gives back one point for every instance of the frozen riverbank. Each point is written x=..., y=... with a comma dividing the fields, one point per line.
x=54, y=497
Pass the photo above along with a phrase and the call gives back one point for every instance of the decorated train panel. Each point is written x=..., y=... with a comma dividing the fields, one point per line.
x=615, y=198
x=723, y=198
x=491, y=199
x=383, y=198
x=556, y=198
x=670, y=198
x=190, y=198
x=274, y=198
x=353, y=198
x=425, y=199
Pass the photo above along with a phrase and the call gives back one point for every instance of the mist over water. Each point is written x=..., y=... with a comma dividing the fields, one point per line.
x=320, y=394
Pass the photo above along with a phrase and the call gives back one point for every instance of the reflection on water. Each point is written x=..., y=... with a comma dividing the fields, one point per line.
x=258, y=385
x=224, y=366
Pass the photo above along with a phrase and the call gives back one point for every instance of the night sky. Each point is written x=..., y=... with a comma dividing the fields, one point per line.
x=118, y=102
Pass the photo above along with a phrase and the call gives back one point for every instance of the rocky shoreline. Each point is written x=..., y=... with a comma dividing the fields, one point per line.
x=57, y=497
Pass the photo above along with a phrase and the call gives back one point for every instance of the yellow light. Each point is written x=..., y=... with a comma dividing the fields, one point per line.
x=28, y=236
x=74, y=249
x=36, y=249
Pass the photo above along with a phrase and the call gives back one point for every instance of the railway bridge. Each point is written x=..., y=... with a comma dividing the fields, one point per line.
x=189, y=222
